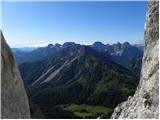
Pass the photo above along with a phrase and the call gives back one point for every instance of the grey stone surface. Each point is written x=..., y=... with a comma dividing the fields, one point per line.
x=145, y=102
x=14, y=101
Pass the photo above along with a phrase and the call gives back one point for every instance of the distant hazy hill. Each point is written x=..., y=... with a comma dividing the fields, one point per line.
x=23, y=55
x=77, y=74
x=139, y=46
x=24, y=49
x=15, y=50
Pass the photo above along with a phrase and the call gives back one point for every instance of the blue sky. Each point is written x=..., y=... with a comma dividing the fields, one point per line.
x=40, y=23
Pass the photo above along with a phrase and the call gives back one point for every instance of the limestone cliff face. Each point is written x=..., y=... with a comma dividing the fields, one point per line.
x=145, y=102
x=14, y=101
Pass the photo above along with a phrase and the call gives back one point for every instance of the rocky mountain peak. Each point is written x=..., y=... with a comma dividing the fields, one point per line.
x=99, y=46
x=126, y=44
x=98, y=43
x=67, y=44
x=57, y=45
x=50, y=46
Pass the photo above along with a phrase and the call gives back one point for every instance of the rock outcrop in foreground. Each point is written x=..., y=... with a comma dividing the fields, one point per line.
x=14, y=102
x=145, y=102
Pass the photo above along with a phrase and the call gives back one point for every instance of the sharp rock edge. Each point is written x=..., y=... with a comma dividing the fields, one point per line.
x=14, y=101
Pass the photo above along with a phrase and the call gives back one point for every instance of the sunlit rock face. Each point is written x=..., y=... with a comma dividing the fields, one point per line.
x=14, y=101
x=145, y=102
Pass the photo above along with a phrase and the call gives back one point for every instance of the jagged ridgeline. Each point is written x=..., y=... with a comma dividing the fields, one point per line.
x=125, y=54
x=76, y=76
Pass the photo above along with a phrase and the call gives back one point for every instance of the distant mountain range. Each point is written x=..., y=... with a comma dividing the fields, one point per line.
x=76, y=74
x=59, y=78
x=38, y=54
x=120, y=53
x=130, y=56
x=28, y=49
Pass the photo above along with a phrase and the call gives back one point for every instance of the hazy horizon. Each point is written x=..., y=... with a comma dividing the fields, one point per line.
x=45, y=45
x=30, y=23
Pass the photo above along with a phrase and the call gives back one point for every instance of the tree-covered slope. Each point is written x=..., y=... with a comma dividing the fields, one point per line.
x=78, y=75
